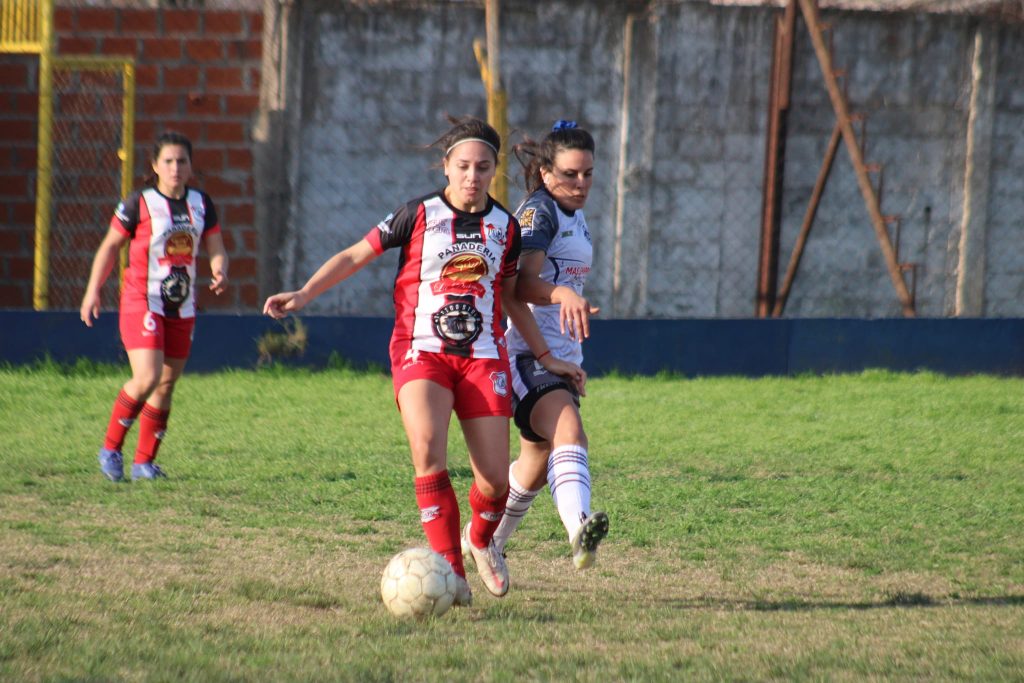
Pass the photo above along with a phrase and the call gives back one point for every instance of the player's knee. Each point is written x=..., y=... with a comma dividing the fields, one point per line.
x=570, y=432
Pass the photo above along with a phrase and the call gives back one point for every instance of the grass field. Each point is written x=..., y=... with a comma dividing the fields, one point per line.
x=813, y=528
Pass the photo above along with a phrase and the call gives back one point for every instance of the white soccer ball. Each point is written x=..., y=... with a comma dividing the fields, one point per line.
x=418, y=583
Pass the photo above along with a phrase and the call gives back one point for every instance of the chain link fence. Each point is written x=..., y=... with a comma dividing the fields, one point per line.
x=87, y=157
x=312, y=118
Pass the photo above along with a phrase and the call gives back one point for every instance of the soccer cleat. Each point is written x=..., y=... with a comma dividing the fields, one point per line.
x=490, y=564
x=587, y=538
x=463, y=595
x=147, y=470
x=111, y=464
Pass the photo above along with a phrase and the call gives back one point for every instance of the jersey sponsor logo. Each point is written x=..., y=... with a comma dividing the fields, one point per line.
x=458, y=323
x=178, y=250
x=526, y=219
x=461, y=275
x=463, y=247
x=438, y=225
x=496, y=234
x=566, y=233
x=499, y=381
x=467, y=236
x=175, y=288
x=429, y=514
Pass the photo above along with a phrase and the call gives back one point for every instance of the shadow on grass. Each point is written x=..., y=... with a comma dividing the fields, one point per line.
x=897, y=600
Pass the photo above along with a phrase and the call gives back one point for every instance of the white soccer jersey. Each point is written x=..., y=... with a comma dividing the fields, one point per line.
x=450, y=275
x=165, y=234
x=564, y=238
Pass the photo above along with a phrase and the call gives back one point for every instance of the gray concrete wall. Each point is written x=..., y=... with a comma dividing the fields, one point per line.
x=676, y=95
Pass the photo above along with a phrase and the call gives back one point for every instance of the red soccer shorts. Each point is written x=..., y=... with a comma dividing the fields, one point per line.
x=148, y=330
x=481, y=385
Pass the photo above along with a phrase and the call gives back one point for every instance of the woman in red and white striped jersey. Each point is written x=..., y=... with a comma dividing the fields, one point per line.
x=456, y=278
x=163, y=226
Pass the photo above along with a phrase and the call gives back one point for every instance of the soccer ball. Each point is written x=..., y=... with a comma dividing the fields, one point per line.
x=418, y=583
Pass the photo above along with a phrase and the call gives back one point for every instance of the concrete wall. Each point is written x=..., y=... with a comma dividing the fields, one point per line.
x=676, y=95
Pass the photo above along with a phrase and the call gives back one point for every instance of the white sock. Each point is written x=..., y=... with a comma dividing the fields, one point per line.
x=519, y=500
x=569, y=479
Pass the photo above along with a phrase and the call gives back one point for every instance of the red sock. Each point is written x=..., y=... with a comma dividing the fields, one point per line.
x=122, y=417
x=152, y=427
x=487, y=514
x=439, y=513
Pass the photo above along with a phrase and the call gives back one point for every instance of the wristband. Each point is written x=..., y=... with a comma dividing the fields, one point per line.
x=546, y=353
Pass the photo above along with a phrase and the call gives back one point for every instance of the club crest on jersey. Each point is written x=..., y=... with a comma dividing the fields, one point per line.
x=461, y=275
x=499, y=381
x=495, y=233
x=178, y=250
x=526, y=220
x=458, y=323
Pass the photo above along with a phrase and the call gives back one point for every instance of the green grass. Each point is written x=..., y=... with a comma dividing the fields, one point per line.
x=811, y=528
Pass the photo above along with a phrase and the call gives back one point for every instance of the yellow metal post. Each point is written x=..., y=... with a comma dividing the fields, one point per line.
x=497, y=105
x=41, y=279
x=20, y=25
x=127, y=151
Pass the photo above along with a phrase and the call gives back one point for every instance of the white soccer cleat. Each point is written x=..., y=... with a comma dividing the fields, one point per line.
x=490, y=564
x=463, y=595
x=587, y=538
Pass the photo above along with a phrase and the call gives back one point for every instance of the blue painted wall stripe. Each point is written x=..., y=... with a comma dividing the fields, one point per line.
x=688, y=347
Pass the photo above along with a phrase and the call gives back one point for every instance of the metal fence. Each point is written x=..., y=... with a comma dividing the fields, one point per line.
x=311, y=125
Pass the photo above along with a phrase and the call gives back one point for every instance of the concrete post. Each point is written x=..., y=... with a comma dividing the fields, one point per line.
x=270, y=141
x=970, y=276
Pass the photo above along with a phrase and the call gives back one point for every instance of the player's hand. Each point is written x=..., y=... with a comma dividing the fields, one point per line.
x=90, y=309
x=219, y=283
x=574, y=313
x=280, y=305
x=576, y=375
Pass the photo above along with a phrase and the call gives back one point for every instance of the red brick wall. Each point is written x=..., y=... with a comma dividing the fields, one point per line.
x=198, y=72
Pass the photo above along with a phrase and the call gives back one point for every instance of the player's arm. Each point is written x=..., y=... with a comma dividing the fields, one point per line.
x=218, y=261
x=523, y=319
x=337, y=268
x=574, y=310
x=102, y=264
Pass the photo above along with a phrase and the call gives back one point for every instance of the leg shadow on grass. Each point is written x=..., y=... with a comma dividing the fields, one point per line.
x=896, y=600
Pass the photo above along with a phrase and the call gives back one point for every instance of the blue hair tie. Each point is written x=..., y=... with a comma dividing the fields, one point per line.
x=562, y=124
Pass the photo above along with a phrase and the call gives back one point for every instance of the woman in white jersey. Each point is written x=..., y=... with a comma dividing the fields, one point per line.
x=457, y=272
x=556, y=258
x=163, y=226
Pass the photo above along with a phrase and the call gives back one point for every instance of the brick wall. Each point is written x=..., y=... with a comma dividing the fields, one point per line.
x=198, y=72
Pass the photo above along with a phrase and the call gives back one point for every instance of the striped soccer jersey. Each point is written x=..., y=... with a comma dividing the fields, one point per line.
x=450, y=275
x=564, y=238
x=165, y=234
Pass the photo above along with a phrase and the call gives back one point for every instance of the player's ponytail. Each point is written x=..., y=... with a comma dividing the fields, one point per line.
x=535, y=156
